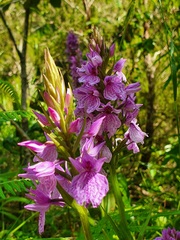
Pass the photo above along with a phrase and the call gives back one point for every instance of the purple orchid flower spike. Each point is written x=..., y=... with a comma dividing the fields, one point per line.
x=169, y=234
x=46, y=151
x=74, y=56
x=89, y=186
x=72, y=43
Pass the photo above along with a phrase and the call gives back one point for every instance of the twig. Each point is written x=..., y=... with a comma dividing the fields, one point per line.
x=10, y=33
x=24, y=83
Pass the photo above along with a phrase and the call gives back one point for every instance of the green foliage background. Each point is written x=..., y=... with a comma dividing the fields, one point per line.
x=147, y=34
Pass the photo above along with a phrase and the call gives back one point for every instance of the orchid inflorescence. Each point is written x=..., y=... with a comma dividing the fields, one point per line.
x=82, y=124
x=169, y=234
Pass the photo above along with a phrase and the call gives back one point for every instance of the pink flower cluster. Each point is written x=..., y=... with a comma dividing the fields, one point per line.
x=105, y=102
x=105, y=93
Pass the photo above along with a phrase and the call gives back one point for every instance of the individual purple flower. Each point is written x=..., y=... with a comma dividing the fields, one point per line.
x=46, y=151
x=43, y=200
x=68, y=100
x=119, y=65
x=88, y=74
x=75, y=126
x=169, y=234
x=112, y=50
x=129, y=109
x=39, y=170
x=48, y=100
x=111, y=121
x=94, y=58
x=45, y=194
x=105, y=152
x=30, y=173
x=94, y=128
x=134, y=135
x=91, y=149
x=133, y=88
x=42, y=118
x=43, y=169
x=89, y=186
x=54, y=116
x=87, y=97
x=114, y=88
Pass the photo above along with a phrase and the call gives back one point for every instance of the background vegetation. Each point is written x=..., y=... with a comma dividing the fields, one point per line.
x=147, y=34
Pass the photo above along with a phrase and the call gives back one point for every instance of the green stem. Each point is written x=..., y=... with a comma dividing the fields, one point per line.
x=123, y=226
x=83, y=213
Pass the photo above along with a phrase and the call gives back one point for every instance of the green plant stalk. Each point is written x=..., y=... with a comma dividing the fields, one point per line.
x=82, y=211
x=123, y=226
x=83, y=214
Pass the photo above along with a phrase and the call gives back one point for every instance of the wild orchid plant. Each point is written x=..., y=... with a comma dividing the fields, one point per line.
x=83, y=127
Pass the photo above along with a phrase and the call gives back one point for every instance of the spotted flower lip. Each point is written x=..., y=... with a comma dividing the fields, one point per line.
x=85, y=95
x=114, y=88
x=88, y=74
x=89, y=186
